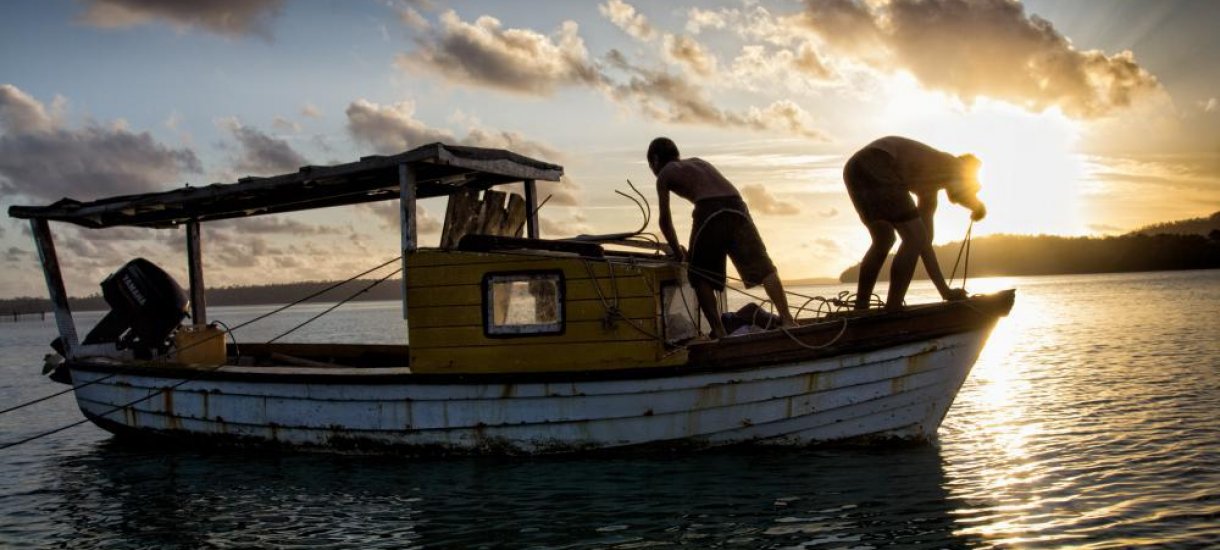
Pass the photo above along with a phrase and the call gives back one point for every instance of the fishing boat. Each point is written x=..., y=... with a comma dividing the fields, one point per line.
x=515, y=344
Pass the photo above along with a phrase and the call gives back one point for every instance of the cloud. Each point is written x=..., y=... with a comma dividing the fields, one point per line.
x=624, y=16
x=42, y=159
x=310, y=110
x=676, y=49
x=515, y=60
x=479, y=135
x=390, y=129
x=689, y=53
x=975, y=48
x=233, y=18
x=697, y=20
x=572, y=226
x=829, y=213
x=284, y=125
x=393, y=129
x=663, y=96
x=759, y=68
x=1209, y=106
x=761, y=201
x=564, y=192
x=524, y=61
x=388, y=213
x=413, y=19
x=14, y=255
x=22, y=114
x=261, y=154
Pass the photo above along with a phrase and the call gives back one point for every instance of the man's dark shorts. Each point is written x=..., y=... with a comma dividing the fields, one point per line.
x=876, y=189
x=723, y=228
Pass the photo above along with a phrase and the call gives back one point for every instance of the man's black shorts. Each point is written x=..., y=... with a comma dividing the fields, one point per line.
x=876, y=189
x=723, y=228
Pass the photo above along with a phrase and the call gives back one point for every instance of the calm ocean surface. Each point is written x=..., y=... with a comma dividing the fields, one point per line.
x=1092, y=419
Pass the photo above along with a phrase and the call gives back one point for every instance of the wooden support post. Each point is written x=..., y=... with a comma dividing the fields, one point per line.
x=55, y=284
x=406, y=213
x=531, y=209
x=194, y=263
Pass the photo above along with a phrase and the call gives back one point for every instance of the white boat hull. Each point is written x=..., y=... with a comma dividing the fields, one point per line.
x=901, y=392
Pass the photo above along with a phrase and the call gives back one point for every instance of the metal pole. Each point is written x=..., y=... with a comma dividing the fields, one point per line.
x=194, y=262
x=406, y=213
x=55, y=284
x=531, y=209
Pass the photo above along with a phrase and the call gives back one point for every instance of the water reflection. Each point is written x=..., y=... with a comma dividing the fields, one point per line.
x=829, y=498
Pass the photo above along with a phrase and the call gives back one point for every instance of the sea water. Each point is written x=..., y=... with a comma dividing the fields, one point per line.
x=1091, y=419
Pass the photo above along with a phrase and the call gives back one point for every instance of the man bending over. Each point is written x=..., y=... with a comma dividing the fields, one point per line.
x=722, y=228
x=880, y=179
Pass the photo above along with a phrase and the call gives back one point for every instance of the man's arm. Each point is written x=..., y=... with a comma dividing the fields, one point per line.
x=927, y=211
x=666, y=220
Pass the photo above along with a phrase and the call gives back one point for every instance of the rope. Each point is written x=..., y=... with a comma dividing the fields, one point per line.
x=965, y=247
x=612, y=311
x=842, y=330
x=336, y=306
x=188, y=379
x=107, y=413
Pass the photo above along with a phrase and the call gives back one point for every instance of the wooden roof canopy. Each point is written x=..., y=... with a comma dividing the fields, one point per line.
x=438, y=169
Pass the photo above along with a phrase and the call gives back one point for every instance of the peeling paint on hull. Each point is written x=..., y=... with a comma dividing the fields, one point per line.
x=902, y=392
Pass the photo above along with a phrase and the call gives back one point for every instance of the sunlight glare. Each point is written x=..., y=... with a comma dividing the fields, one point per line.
x=1031, y=175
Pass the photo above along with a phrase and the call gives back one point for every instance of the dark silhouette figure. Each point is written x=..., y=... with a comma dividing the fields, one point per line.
x=722, y=228
x=880, y=179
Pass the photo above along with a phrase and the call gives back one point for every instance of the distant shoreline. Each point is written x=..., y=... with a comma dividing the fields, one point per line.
x=1020, y=255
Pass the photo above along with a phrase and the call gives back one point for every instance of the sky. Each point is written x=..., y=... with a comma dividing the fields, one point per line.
x=1091, y=117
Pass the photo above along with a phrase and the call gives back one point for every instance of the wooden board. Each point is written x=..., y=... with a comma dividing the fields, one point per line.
x=574, y=332
x=543, y=357
x=643, y=308
x=458, y=295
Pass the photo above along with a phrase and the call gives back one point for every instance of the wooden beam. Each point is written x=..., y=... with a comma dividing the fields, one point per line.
x=531, y=209
x=55, y=284
x=406, y=214
x=194, y=263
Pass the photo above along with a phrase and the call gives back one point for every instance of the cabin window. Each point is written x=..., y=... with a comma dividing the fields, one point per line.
x=523, y=304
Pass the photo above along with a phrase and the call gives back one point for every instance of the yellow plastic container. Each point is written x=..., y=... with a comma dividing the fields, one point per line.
x=200, y=344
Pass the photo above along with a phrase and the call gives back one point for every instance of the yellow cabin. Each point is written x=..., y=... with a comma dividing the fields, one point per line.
x=539, y=310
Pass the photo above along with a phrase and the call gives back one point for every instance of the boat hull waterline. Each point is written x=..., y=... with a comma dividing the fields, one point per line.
x=896, y=393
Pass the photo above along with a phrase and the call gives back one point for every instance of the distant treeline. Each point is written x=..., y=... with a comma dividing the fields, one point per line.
x=1193, y=226
x=998, y=255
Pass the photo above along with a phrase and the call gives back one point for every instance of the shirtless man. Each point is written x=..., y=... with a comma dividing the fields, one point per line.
x=880, y=179
x=722, y=228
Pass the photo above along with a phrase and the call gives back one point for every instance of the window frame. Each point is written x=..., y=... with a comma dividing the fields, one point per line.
x=524, y=331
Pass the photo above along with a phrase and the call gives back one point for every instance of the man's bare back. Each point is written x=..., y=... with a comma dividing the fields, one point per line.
x=694, y=179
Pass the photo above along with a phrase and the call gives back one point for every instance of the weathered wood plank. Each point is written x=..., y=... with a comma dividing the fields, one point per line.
x=538, y=358
x=460, y=215
x=573, y=270
x=644, y=308
x=574, y=332
x=514, y=223
x=456, y=295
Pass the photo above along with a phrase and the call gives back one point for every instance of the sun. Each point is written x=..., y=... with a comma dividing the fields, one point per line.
x=1032, y=175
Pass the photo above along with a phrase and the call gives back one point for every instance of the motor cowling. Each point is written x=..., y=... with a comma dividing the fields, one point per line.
x=146, y=305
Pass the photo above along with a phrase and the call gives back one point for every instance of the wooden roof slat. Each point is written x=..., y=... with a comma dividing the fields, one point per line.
x=440, y=170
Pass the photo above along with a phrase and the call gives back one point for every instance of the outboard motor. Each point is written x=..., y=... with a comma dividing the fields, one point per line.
x=146, y=303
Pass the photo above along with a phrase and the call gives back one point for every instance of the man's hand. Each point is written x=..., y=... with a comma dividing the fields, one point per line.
x=978, y=212
x=955, y=294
